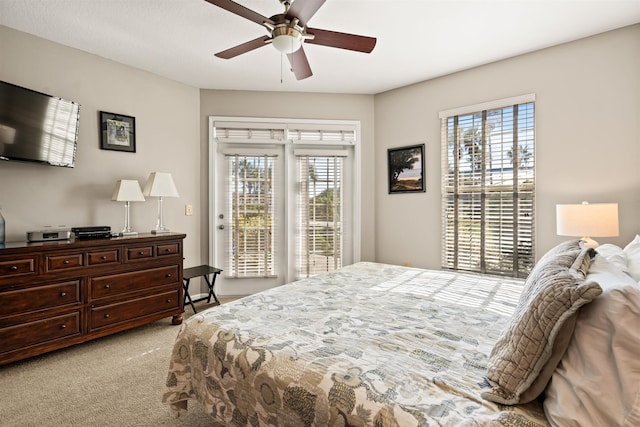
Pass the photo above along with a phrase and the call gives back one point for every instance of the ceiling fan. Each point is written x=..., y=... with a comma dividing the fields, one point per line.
x=288, y=30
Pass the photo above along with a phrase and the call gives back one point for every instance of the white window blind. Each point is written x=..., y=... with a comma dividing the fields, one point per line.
x=326, y=134
x=251, y=193
x=488, y=184
x=239, y=132
x=320, y=215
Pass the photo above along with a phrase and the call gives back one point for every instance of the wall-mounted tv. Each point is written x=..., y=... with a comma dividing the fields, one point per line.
x=37, y=127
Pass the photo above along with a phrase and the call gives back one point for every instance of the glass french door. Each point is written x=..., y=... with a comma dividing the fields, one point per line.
x=250, y=220
x=284, y=200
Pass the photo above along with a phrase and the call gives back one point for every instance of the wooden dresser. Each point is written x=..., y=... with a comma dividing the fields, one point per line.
x=57, y=294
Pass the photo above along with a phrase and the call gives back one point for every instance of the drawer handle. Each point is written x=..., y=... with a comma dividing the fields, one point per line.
x=168, y=275
x=63, y=294
x=169, y=301
x=140, y=253
x=13, y=268
x=66, y=261
x=167, y=250
x=106, y=316
x=63, y=326
x=103, y=257
x=107, y=286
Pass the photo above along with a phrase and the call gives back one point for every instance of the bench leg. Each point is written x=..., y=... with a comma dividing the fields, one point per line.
x=211, y=284
x=187, y=296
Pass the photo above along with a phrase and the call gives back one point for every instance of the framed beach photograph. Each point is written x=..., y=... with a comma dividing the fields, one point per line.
x=117, y=132
x=406, y=169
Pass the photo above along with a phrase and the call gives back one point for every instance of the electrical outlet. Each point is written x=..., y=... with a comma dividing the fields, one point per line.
x=188, y=210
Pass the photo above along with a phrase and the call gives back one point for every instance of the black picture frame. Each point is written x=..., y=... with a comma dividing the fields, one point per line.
x=117, y=132
x=406, y=169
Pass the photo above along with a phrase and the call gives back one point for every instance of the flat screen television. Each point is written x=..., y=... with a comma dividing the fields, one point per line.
x=37, y=127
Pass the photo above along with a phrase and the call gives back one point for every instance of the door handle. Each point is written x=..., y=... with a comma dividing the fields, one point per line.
x=221, y=227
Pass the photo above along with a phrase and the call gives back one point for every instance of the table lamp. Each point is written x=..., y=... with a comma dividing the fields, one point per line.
x=160, y=184
x=127, y=191
x=587, y=220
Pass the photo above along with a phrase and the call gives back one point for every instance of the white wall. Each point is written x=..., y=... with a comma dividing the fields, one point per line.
x=167, y=139
x=300, y=106
x=587, y=138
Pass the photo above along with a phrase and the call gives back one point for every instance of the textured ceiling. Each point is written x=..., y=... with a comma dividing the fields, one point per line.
x=417, y=39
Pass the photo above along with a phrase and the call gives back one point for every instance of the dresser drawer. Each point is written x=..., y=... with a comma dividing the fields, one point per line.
x=106, y=286
x=64, y=262
x=10, y=267
x=167, y=249
x=113, y=314
x=111, y=256
x=39, y=331
x=41, y=297
x=139, y=252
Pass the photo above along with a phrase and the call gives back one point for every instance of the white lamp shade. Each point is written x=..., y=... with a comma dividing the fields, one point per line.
x=127, y=190
x=587, y=219
x=160, y=184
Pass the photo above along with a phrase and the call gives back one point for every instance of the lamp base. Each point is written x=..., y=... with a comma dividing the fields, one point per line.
x=588, y=242
x=128, y=233
x=161, y=231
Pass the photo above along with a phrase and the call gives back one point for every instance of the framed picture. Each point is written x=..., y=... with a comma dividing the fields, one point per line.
x=117, y=132
x=406, y=169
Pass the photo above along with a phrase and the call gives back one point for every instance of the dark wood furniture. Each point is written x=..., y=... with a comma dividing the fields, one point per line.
x=57, y=294
x=200, y=271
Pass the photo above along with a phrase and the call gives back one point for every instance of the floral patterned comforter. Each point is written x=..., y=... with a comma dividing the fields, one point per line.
x=370, y=344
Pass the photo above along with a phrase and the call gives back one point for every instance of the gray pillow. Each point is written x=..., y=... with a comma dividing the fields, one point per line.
x=537, y=335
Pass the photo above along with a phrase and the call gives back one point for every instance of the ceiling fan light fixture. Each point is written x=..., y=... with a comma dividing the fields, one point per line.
x=287, y=39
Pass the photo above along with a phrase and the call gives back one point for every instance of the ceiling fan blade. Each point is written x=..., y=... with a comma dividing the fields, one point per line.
x=341, y=40
x=300, y=64
x=240, y=10
x=243, y=48
x=304, y=9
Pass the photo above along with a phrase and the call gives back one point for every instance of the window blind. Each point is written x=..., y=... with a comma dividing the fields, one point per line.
x=320, y=215
x=248, y=132
x=251, y=192
x=326, y=134
x=488, y=183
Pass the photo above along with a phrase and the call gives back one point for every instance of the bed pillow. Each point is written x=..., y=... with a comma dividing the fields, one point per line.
x=632, y=252
x=537, y=335
x=597, y=382
x=614, y=254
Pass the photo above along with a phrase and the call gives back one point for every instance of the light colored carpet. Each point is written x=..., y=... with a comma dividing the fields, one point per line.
x=112, y=381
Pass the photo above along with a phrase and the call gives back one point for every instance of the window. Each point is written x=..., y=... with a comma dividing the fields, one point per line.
x=488, y=187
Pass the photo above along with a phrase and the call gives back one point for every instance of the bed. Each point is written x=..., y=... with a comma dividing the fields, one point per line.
x=377, y=344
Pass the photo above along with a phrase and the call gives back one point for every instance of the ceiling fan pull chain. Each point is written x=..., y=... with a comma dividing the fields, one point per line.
x=281, y=59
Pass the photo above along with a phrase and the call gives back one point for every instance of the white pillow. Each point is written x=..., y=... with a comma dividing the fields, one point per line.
x=632, y=252
x=614, y=254
x=597, y=382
